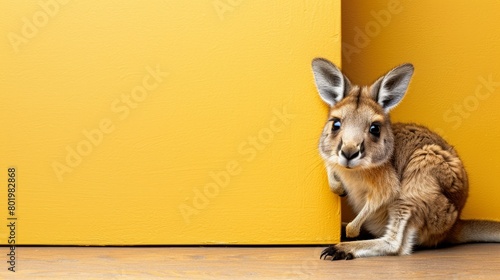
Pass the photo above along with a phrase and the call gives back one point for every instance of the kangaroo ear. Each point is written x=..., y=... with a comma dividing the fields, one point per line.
x=332, y=85
x=390, y=89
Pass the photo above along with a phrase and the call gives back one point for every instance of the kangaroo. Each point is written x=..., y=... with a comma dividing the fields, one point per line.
x=406, y=183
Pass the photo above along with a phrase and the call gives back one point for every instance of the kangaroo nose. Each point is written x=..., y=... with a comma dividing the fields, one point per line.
x=352, y=151
x=350, y=154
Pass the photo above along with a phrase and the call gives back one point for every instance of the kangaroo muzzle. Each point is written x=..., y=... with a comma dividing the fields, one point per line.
x=350, y=153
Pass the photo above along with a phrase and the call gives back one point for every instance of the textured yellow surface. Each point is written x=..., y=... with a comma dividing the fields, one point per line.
x=455, y=90
x=166, y=122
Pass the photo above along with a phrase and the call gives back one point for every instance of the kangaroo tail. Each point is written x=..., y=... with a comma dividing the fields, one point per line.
x=468, y=231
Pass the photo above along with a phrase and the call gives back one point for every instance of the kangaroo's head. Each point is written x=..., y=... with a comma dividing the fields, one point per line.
x=358, y=132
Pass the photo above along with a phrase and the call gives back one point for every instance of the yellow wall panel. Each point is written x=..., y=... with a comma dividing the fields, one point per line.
x=165, y=122
x=456, y=86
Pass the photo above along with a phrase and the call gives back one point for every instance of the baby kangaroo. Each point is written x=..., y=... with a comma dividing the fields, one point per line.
x=406, y=183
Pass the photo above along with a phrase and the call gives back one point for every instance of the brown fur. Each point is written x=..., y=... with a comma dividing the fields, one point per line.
x=406, y=183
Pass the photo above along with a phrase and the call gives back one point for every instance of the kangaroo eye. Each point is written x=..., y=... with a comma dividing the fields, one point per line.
x=375, y=129
x=336, y=124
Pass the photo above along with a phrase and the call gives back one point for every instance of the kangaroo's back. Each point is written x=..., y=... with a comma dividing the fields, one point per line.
x=433, y=180
x=409, y=137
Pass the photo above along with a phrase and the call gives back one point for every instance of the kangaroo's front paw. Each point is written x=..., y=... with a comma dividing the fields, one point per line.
x=351, y=231
x=336, y=186
x=336, y=253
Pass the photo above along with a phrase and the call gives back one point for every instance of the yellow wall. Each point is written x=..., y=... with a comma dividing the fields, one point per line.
x=166, y=122
x=455, y=47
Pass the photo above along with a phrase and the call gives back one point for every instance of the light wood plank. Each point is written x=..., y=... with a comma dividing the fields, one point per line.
x=474, y=261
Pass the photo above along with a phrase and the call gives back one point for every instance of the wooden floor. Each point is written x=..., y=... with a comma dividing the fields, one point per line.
x=474, y=261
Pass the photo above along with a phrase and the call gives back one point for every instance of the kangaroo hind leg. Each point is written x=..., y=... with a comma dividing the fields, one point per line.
x=389, y=244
